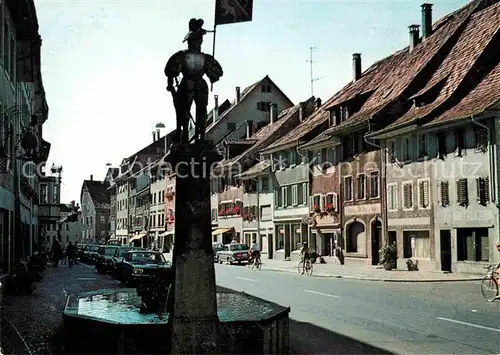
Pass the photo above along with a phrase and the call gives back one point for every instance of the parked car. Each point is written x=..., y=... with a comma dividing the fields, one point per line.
x=118, y=258
x=140, y=264
x=233, y=253
x=103, y=261
x=90, y=252
x=217, y=247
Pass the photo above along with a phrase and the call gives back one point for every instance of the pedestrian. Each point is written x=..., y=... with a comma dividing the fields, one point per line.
x=71, y=254
x=64, y=255
x=56, y=252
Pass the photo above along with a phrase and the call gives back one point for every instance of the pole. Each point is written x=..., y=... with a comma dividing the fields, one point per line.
x=213, y=53
x=311, y=67
x=258, y=215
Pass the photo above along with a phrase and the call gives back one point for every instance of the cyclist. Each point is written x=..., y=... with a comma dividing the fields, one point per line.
x=304, y=254
x=255, y=251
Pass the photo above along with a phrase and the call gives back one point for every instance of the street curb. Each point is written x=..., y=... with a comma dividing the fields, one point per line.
x=375, y=279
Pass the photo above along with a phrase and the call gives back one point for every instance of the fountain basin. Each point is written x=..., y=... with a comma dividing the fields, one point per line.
x=111, y=320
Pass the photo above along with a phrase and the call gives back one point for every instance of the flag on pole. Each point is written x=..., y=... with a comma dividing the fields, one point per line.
x=233, y=11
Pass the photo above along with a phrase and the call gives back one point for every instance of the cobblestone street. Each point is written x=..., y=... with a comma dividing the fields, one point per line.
x=30, y=324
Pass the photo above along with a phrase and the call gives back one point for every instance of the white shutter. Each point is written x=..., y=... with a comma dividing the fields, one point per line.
x=283, y=198
x=322, y=202
x=305, y=192
x=311, y=202
x=335, y=202
x=294, y=195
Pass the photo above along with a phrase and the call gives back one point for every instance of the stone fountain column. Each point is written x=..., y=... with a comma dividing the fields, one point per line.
x=195, y=324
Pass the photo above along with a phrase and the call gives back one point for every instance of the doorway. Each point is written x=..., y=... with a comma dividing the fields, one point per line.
x=376, y=233
x=445, y=239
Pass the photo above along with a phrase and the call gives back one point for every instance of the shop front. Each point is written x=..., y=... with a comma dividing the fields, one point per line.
x=223, y=235
x=325, y=235
x=289, y=236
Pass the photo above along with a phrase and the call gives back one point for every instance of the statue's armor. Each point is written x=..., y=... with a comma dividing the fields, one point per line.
x=194, y=65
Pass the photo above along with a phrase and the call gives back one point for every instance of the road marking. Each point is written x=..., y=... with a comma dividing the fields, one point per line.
x=242, y=278
x=321, y=293
x=469, y=324
x=86, y=278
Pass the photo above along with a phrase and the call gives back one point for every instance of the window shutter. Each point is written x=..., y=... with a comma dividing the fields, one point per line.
x=424, y=194
x=408, y=196
x=462, y=193
x=445, y=194
x=322, y=202
x=311, y=202
x=335, y=201
x=284, y=197
x=482, y=191
x=276, y=197
x=294, y=195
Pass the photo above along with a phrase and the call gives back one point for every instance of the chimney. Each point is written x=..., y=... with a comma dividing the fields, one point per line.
x=91, y=177
x=154, y=136
x=414, y=36
x=216, y=108
x=317, y=103
x=157, y=134
x=426, y=20
x=238, y=95
x=273, y=114
x=249, y=128
x=356, y=66
x=301, y=111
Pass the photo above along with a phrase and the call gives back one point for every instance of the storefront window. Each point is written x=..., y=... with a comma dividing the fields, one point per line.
x=281, y=237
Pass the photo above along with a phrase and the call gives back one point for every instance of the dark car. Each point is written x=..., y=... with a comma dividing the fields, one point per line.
x=139, y=265
x=216, y=248
x=233, y=253
x=118, y=258
x=90, y=252
x=103, y=262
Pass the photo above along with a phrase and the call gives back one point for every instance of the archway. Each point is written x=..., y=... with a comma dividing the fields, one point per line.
x=355, y=233
x=376, y=233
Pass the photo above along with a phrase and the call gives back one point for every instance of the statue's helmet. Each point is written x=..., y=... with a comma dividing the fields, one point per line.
x=196, y=30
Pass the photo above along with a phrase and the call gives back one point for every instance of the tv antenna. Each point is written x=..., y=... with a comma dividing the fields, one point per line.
x=311, y=62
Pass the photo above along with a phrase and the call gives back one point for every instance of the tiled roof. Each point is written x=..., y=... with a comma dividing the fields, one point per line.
x=266, y=134
x=481, y=30
x=98, y=192
x=244, y=94
x=397, y=72
x=318, y=117
x=256, y=169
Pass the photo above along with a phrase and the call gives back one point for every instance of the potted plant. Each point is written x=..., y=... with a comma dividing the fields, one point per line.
x=236, y=209
x=388, y=255
x=316, y=208
x=222, y=212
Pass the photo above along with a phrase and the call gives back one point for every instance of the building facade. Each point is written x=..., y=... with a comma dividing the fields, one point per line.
x=95, y=197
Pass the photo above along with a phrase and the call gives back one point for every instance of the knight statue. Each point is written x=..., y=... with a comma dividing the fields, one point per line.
x=192, y=64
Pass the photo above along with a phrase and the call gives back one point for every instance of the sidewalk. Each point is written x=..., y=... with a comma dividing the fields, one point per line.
x=368, y=273
x=30, y=324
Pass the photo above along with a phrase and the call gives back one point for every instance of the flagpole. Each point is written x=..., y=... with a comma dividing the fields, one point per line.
x=213, y=52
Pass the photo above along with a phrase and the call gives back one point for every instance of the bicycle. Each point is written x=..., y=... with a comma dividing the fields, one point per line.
x=257, y=263
x=307, y=268
x=489, y=285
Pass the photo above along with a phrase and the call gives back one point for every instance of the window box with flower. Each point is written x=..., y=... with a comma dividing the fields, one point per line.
x=316, y=208
x=169, y=195
x=236, y=210
x=229, y=211
x=222, y=212
x=329, y=208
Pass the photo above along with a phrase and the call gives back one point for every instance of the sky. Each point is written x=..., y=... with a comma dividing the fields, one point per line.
x=103, y=61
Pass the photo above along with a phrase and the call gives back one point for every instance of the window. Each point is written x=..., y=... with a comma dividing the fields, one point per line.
x=392, y=198
x=361, y=186
x=331, y=200
x=483, y=190
x=278, y=198
x=348, y=188
x=263, y=106
x=459, y=142
x=333, y=118
x=102, y=219
x=481, y=139
x=445, y=194
x=316, y=202
x=305, y=193
x=462, y=193
x=423, y=194
x=265, y=183
x=472, y=244
x=300, y=194
x=350, y=147
x=344, y=113
x=231, y=126
x=44, y=193
x=406, y=148
x=407, y=196
x=374, y=185
x=265, y=88
x=55, y=194
x=441, y=142
x=416, y=244
x=422, y=145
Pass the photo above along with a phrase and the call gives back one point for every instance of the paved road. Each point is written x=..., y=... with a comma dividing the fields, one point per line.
x=404, y=318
